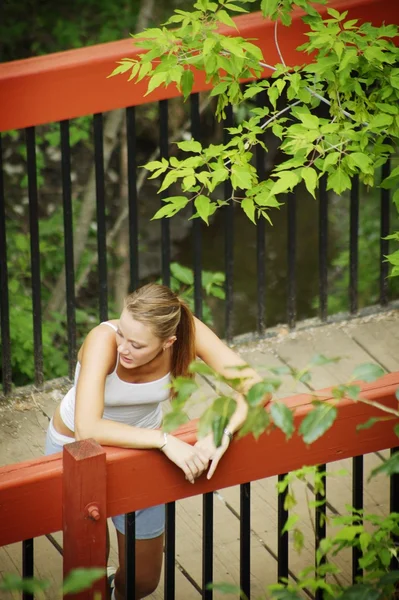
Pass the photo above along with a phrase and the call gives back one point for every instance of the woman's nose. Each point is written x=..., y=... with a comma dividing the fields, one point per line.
x=122, y=347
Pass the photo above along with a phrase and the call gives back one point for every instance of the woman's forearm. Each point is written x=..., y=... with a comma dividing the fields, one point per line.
x=112, y=433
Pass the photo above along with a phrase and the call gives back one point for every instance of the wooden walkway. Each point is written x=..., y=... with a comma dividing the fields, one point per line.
x=374, y=338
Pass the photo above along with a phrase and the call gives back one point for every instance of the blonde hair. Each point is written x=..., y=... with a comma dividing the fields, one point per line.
x=162, y=310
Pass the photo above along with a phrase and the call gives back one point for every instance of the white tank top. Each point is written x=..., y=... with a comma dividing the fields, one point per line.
x=137, y=404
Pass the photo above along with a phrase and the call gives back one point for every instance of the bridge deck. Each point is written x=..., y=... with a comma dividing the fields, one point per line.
x=372, y=338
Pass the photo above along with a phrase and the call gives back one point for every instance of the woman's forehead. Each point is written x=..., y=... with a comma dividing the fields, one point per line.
x=135, y=330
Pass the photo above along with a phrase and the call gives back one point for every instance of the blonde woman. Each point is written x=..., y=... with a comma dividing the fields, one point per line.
x=122, y=377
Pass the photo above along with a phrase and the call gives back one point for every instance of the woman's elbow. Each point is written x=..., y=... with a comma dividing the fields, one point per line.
x=84, y=431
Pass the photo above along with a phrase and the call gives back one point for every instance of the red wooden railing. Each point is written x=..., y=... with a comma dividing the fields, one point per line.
x=78, y=491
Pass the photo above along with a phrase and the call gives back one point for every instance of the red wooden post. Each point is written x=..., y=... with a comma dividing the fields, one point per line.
x=84, y=511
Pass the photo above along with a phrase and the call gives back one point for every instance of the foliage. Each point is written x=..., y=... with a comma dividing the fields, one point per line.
x=353, y=74
x=78, y=580
x=20, y=295
x=182, y=283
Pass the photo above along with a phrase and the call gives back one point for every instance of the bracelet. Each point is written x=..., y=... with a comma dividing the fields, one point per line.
x=165, y=440
x=228, y=433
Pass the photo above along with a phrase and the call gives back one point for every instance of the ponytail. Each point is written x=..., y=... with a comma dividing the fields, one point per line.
x=184, y=346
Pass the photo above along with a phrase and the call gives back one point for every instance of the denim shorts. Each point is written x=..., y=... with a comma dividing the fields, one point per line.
x=150, y=522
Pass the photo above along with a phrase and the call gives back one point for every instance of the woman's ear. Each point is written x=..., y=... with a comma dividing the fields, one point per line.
x=169, y=342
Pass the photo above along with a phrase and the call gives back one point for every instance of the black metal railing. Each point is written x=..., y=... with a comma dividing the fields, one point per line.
x=231, y=243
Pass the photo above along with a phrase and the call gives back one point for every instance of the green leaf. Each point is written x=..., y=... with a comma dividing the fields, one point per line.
x=183, y=274
x=203, y=206
x=349, y=533
x=256, y=395
x=201, y=368
x=319, y=360
x=13, y=582
x=317, y=422
x=283, y=418
x=186, y=83
x=81, y=579
x=360, y=592
x=360, y=160
x=338, y=180
x=368, y=372
x=190, y=146
x=389, y=466
x=381, y=120
x=287, y=181
x=241, y=178
x=174, y=419
x=290, y=523
x=248, y=207
x=309, y=176
x=225, y=18
x=368, y=424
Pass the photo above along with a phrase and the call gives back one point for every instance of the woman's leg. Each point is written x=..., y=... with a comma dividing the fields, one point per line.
x=149, y=554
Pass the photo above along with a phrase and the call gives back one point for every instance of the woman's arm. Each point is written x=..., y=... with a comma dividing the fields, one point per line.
x=223, y=359
x=97, y=360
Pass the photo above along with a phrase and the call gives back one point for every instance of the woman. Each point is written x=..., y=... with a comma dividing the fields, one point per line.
x=122, y=376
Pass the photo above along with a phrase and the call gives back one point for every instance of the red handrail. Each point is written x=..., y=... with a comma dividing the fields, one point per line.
x=70, y=84
x=31, y=492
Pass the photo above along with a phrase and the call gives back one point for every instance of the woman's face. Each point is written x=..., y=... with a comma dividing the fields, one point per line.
x=137, y=345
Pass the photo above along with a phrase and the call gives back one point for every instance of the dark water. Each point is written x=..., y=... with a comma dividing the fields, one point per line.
x=245, y=270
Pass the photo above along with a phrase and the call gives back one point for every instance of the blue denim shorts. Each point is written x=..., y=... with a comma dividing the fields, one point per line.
x=150, y=522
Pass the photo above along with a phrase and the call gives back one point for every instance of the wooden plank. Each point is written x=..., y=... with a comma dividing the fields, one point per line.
x=262, y=358
x=379, y=337
x=298, y=350
x=84, y=511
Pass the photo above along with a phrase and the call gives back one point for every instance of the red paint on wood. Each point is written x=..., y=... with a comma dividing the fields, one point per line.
x=84, y=511
x=65, y=85
x=30, y=492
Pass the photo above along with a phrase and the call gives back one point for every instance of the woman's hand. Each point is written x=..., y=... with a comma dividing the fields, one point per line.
x=207, y=446
x=190, y=459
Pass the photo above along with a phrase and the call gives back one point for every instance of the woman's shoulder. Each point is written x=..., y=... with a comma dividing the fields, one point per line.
x=100, y=342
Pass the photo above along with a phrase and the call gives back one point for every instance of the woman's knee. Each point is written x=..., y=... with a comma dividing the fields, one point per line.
x=145, y=584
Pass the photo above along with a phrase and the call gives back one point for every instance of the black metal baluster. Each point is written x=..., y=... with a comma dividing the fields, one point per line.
x=384, y=244
x=245, y=538
x=394, y=503
x=229, y=238
x=282, y=542
x=320, y=518
x=291, y=259
x=197, y=238
x=170, y=552
x=27, y=565
x=261, y=234
x=354, y=245
x=132, y=196
x=130, y=553
x=207, y=545
x=357, y=503
x=323, y=249
x=35, y=254
x=101, y=225
x=68, y=244
x=4, y=299
x=164, y=153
